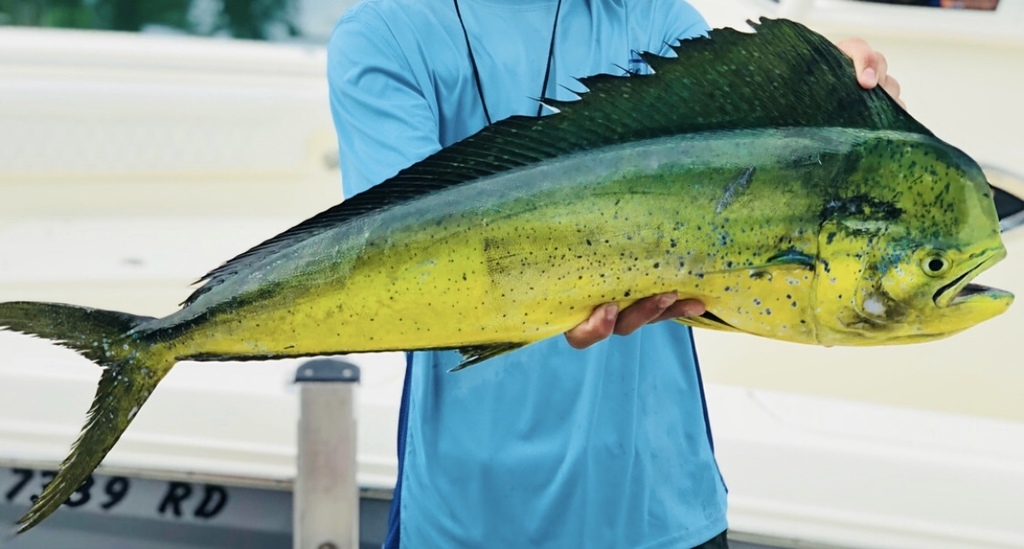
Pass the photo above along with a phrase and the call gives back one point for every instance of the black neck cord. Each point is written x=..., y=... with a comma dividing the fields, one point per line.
x=476, y=71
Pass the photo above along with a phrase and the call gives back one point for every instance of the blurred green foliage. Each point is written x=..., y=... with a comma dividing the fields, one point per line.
x=251, y=19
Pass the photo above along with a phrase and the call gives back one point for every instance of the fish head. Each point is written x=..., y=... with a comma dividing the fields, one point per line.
x=898, y=256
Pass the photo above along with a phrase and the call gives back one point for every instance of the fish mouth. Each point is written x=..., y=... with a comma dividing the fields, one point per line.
x=961, y=290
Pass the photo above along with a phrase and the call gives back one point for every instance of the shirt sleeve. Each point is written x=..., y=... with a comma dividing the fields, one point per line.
x=382, y=117
x=677, y=20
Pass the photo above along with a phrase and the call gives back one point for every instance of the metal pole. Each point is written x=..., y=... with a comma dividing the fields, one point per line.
x=326, y=496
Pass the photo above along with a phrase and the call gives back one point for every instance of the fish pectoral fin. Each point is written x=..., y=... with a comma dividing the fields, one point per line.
x=793, y=257
x=479, y=353
x=707, y=320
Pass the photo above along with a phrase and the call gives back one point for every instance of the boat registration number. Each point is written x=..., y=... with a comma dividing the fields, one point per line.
x=161, y=499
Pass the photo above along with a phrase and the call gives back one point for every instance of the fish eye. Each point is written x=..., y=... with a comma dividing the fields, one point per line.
x=935, y=265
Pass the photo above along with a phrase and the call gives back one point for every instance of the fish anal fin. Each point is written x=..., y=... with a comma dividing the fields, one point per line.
x=479, y=353
x=707, y=320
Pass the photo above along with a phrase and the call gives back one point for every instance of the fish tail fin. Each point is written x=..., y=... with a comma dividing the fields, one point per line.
x=131, y=366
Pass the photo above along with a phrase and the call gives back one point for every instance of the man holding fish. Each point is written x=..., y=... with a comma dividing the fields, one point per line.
x=586, y=440
x=750, y=176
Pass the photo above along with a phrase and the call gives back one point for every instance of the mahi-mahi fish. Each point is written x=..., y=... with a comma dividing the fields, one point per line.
x=749, y=171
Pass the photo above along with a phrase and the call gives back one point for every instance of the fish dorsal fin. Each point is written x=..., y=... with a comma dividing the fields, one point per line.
x=781, y=75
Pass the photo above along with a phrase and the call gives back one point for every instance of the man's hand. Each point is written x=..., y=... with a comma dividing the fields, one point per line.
x=872, y=69
x=607, y=319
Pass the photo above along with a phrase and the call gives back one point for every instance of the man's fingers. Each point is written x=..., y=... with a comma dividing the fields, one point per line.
x=681, y=308
x=892, y=87
x=607, y=319
x=635, y=316
x=599, y=326
x=871, y=67
x=877, y=62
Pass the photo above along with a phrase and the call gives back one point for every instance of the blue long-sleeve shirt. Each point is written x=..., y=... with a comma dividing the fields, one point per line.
x=546, y=446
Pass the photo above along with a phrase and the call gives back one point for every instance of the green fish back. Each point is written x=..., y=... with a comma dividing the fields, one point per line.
x=782, y=75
